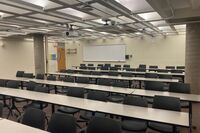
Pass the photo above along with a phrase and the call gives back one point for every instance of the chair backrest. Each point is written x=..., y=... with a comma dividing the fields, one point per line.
x=69, y=79
x=42, y=89
x=165, y=76
x=130, y=69
x=85, y=72
x=126, y=74
x=62, y=123
x=96, y=73
x=104, y=68
x=13, y=84
x=113, y=68
x=85, y=80
x=107, y=82
x=51, y=77
x=179, y=87
x=1, y=109
x=34, y=117
x=153, y=85
x=170, y=67
x=143, y=66
x=39, y=76
x=180, y=67
x=163, y=70
x=90, y=64
x=177, y=71
x=123, y=84
x=118, y=66
x=135, y=101
x=97, y=95
x=166, y=102
x=69, y=71
x=91, y=68
x=31, y=85
x=100, y=65
x=103, y=125
x=19, y=73
x=140, y=70
x=153, y=67
x=127, y=66
x=2, y=83
x=76, y=92
x=28, y=75
x=112, y=73
x=107, y=65
x=151, y=75
x=82, y=65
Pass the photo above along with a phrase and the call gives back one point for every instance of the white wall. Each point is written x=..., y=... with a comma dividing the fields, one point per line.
x=16, y=54
x=159, y=50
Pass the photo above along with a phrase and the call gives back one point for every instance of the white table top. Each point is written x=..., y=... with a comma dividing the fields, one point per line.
x=109, y=89
x=14, y=78
x=116, y=77
x=182, y=96
x=133, y=72
x=8, y=126
x=59, y=83
x=179, y=118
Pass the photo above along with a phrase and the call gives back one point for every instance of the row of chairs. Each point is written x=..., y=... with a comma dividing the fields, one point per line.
x=65, y=123
x=101, y=96
x=128, y=66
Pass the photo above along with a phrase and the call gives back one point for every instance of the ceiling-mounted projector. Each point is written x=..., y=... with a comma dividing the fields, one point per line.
x=71, y=33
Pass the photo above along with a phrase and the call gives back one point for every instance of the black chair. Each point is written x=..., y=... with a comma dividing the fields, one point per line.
x=74, y=92
x=180, y=88
x=91, y=68
x=113, y=73
x=96, y=73
x=69, y=79
x=177, y=71
x=28, y=75
x=99, y=65
x=34, y=118
x=69, y=71
x=126, y=74
x=93, y=95
x=126, y=66
x=38, y=104
x=118, y=98
x=84, y=80
x=130, y=69
x=85, y=72
x=106, y=82
x=163, y=71
x=31, y=85
x=39, y=76
x=19, y=73
x=103, y=125
x=62, y=123
x=118, y=66
x=180, y=67
x=14, y=85
x=153, y=67
x=1, y=109
x=2, y=97
x=151, y=75
x=107, y=65
x=155, y=86
x=82, y=65
x=51, y=77
x=142, y=66
x=90, y=65
x=167, y=103
x=134, y=125
x=113, y=68
x=140, y=70
x=165, y=76
x=104, y=68
x=170, y=67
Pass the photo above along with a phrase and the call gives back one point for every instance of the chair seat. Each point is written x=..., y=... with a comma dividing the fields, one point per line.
x=162, y=127
x=62, y=90
x=35, y=105
x=184, y=104
x=18, y=100
x=116, y=98
x=68, y=110
x=134, y=125
x=86, y=115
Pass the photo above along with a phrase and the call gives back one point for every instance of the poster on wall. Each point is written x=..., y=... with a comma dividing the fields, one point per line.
x=52, y=57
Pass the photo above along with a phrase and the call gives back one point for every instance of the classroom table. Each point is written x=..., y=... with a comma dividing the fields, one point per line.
x=8, y=126
x=130, y=79
x=157, y=115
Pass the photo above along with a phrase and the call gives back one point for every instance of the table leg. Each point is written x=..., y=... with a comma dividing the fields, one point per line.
x=53, y=108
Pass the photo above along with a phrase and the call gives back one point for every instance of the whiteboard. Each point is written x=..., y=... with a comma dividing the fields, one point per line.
x=115, y=52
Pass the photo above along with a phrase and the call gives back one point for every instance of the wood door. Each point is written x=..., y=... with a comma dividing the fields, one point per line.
x=61, y=58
